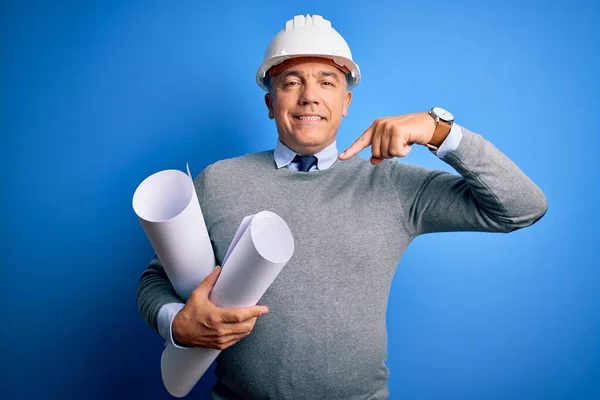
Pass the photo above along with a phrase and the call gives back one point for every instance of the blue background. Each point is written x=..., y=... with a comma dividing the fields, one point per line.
x=96, y=96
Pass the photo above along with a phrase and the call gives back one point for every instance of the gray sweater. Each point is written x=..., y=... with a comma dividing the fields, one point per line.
x=325, y=335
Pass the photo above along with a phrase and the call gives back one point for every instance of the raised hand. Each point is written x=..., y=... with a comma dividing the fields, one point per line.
x=393, y=136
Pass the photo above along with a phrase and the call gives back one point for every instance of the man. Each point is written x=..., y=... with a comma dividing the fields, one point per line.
x=323, y=335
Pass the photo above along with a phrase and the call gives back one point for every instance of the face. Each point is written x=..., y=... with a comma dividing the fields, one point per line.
x=308, y=102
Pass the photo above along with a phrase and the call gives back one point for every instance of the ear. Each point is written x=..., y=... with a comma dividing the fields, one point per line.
x=269, y=103
x=347, y=101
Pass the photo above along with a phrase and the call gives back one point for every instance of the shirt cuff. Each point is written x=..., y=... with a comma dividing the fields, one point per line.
x=451, y=142
x=165, y=322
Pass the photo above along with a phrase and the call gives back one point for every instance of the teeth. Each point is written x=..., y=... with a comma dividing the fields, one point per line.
x=310, y=118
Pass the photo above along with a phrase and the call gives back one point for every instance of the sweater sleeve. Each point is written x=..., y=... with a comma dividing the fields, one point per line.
x=154, y=291
x=491, y=193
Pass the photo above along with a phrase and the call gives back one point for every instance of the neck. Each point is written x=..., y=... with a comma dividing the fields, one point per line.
x=306, y=150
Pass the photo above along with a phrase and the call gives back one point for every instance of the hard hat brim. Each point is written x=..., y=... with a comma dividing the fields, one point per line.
x=353, y=76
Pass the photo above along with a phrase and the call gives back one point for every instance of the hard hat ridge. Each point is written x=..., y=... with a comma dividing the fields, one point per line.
x=299, y=21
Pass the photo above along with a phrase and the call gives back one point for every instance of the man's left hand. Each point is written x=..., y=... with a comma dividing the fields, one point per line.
x=393, y=136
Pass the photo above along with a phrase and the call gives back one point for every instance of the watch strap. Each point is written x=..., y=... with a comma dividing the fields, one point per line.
x=440, y=133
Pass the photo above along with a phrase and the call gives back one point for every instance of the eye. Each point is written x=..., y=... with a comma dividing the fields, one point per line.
x=328, y=83
x=291, y=83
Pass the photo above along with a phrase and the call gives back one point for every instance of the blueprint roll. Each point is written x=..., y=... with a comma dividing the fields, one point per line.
x=261, y=247
x=168, y=209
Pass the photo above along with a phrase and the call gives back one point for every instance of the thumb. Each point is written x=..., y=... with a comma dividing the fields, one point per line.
x=204, y=288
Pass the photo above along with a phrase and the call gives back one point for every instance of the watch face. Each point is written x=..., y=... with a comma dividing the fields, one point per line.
x=443, y=114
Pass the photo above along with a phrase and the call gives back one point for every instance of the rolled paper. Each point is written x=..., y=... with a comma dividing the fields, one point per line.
x=261, y=247
x=168, y=209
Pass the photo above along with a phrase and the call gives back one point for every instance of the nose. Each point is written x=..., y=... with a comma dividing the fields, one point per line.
x=309, y=94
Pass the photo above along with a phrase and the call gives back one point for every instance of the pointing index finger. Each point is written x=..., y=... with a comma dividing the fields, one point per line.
x=362, y=142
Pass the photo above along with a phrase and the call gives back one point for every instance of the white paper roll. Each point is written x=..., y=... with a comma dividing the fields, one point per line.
x=168, y=209
x=261, y=247
x=181, y=369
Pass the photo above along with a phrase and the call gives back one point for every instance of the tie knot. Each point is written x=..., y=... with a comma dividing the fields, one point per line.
x=305, y=162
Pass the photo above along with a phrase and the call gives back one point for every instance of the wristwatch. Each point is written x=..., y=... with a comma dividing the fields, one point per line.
x=443, y=123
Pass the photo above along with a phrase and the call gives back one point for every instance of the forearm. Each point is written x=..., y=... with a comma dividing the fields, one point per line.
x=491, y=193
x=153, y=292
x=501, y=189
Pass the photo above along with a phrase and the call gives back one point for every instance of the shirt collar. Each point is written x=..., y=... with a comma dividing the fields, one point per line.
x=325, y=158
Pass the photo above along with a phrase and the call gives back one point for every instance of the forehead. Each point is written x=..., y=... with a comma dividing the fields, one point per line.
x=311, y=68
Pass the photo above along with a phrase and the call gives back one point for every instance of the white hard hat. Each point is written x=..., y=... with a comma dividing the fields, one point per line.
x=308, y=37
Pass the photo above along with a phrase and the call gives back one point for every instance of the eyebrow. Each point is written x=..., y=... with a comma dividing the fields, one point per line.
x=300, y=74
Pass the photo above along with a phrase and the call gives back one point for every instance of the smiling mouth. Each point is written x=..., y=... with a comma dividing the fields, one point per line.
x=308, y=118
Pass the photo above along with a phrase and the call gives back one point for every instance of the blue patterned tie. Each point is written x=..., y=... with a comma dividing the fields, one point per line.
x=305, y=162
